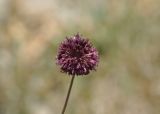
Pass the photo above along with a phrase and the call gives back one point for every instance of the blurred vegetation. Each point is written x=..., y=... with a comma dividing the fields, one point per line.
x=126, y=33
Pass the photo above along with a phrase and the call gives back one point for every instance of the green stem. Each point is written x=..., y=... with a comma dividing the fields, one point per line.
x=68, y=94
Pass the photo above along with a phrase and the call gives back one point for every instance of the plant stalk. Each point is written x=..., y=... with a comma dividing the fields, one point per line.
x=68, y=94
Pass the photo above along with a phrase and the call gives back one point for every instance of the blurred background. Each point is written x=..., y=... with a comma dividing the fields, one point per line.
x=126, y=34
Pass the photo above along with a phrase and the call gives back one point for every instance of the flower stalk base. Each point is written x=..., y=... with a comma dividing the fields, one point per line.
x=68, y=94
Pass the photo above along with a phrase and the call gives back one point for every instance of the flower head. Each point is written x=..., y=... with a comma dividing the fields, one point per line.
x=77, y=56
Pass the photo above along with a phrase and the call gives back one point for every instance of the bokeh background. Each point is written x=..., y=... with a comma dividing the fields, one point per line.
x=126, y=34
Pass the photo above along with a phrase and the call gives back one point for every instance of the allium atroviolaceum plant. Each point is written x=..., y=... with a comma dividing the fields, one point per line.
x=76, y=57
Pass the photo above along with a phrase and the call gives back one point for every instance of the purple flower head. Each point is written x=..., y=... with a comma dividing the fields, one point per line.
x=77, y=56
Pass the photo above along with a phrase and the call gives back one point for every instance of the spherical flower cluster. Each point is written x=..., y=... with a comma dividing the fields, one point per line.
x=77, y=56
